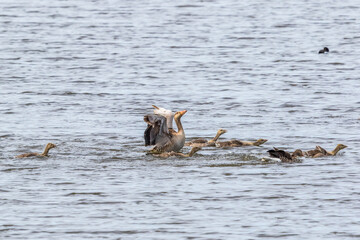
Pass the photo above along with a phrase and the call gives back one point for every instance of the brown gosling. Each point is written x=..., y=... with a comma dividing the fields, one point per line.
x=238, y=143
x=201, y=142
x=322, y=152
x=298, y=153
x=169, y=154
x=311, y=153
x=44, y=154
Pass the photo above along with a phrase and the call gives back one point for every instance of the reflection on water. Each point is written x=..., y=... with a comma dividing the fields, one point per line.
x=82, y=74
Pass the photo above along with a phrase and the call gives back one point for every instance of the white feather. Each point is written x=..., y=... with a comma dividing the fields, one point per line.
x=168, y=114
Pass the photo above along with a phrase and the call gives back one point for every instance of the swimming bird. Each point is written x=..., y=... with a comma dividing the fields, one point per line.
x=283, y=155
x=201, y=142
x=325, y=50
x=157, y=133
x=169, y=154
x=311, y=153
x=298, y=153
x=43, y=154
x=321, y=152
x=238, y=143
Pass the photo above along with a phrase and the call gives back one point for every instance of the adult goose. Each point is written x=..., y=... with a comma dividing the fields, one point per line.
x=157, y=133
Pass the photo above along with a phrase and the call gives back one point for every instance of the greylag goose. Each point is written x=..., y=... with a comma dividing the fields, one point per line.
x=238, y=143
x=157, y=133
x=44, y=154
x=201, y=142
x=169, y=154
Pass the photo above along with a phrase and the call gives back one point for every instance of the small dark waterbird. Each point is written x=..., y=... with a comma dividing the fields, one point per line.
x=284, y=156
x=325, y=50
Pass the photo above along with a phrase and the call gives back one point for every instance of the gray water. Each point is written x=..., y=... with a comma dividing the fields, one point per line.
x=82, y=74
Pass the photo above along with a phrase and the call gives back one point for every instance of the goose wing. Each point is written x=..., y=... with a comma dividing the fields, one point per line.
x=168, y=114
x=157, y=131
x=321, y=150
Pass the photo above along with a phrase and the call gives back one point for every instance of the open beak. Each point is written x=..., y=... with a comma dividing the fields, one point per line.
x=155, y=107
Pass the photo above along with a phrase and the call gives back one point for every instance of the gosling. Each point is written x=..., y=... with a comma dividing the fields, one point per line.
x=43, y=154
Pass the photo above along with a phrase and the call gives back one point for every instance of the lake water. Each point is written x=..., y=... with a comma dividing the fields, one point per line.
x=82, y=74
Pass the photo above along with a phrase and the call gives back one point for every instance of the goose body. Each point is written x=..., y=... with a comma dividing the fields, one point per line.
x=201, y=142
x=169, y=154
x=321, y=152
x=157, y=133
x=43, y=154
x=238, y=143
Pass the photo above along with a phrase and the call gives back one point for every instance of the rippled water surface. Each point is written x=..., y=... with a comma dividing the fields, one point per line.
x=82, y=74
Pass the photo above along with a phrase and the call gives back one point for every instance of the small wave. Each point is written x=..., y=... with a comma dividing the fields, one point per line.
x=336, y=63
x=188, y=6
x=286, y=25
x=85, y=193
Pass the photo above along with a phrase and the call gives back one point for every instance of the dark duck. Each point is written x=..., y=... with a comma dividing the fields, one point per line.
x=325, y=50
x=285, y=156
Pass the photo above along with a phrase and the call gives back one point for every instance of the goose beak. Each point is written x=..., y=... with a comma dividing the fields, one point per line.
x=155, y=107
x=183, y=112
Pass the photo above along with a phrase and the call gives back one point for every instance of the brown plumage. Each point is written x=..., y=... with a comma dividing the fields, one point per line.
x=238, y=143
x=311, y=153
x=201, y=142
x=169, y=154
x=298, y=153
x=321, y=152
x=43, y=154
x=158, y=134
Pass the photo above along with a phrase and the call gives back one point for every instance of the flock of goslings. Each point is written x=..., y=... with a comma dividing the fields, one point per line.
x=168, y=142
